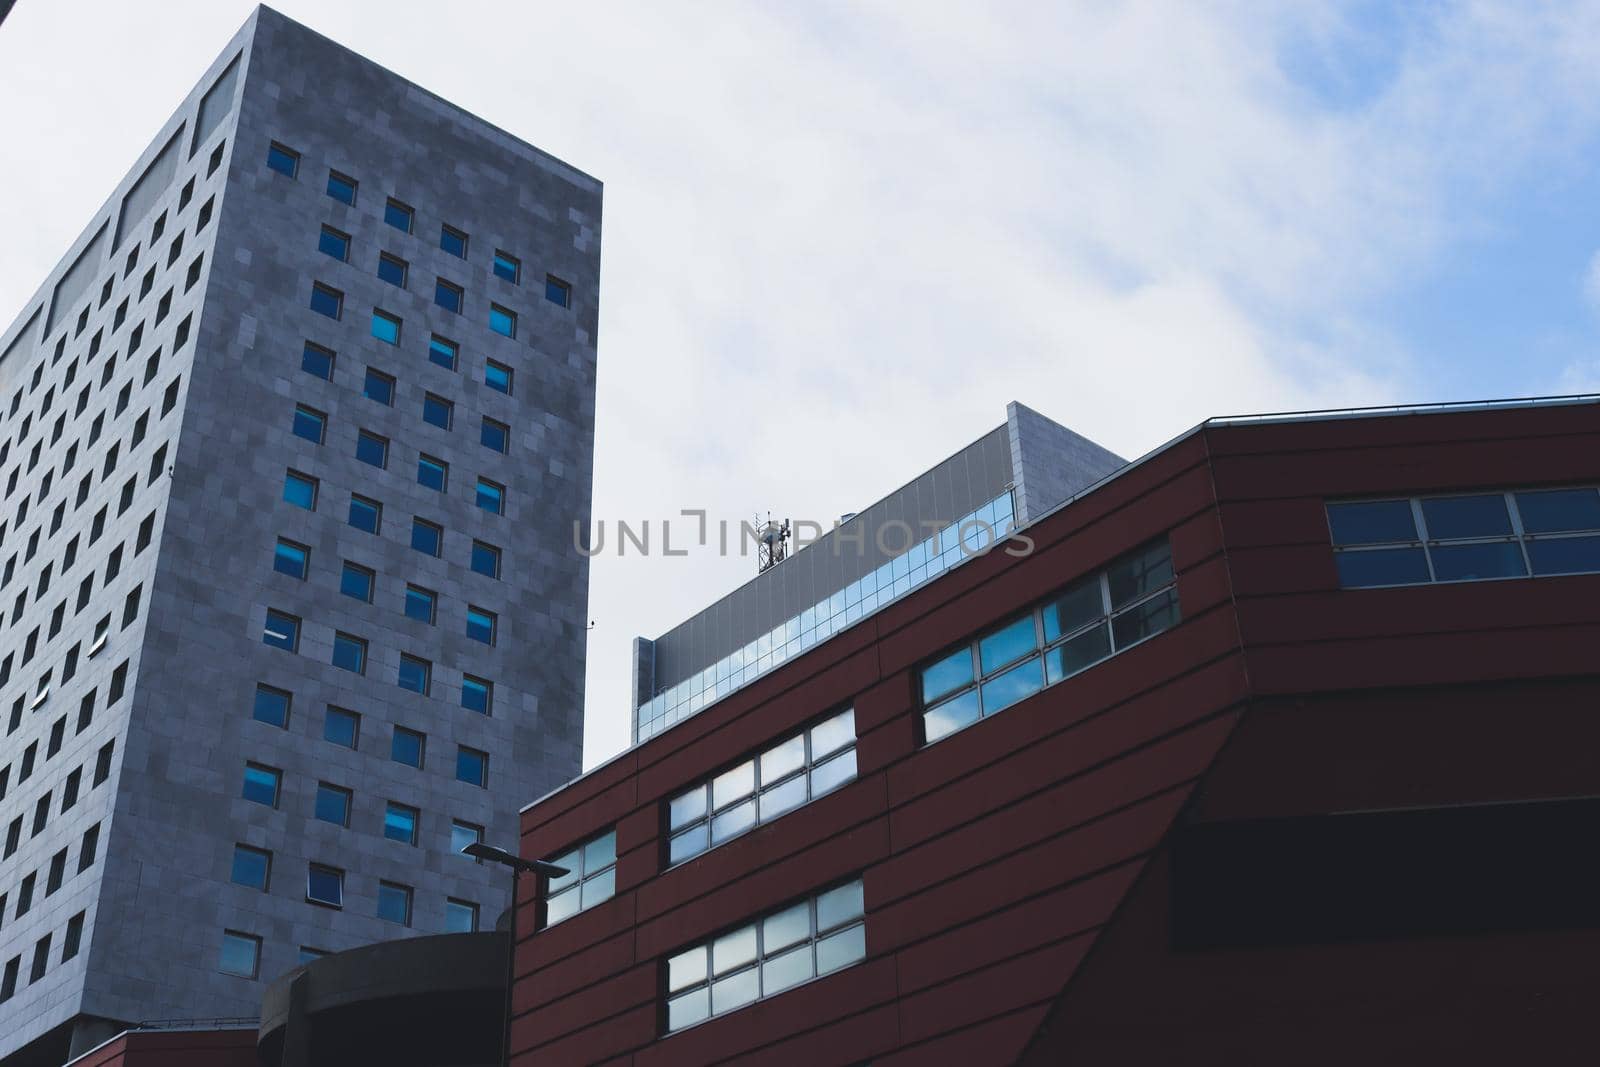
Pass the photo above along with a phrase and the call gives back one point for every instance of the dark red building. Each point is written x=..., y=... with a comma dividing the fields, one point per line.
x=1188, y=782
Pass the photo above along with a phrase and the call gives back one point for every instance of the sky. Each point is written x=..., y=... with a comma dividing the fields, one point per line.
x=839, y=238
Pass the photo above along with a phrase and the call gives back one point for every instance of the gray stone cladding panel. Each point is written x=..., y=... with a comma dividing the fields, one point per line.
x=1052, y=463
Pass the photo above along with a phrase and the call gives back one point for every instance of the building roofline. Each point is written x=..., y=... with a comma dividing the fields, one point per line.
x=1317, y=415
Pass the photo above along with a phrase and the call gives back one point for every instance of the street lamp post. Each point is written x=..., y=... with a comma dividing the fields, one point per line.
x=480, y=851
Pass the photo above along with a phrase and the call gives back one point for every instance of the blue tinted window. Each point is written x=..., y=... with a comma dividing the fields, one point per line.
x=283, y=160
x=271, y=706
x=370, y=448
x=432, y=473
x=317, y=361
x=392, y=270
x=1382, y=566
x=1078, y=653
x=442, y=352
x=491, y=497
x=1146, y=620
x=334, y=243
x=426, y=537
x=324, y=885
x=508, y=267
x=476, y=694
x=1466, y=516
x=281, y=631
x=1139, y=574
x=394, y=903
x=250, y=867
x=290, y=558
x=1565, y=555
x=1559, y=509
x=406, y=747
x=355, y=581
x=557, y=291
x=1008, y=688
x=453, y=241
x=472, y=766
x=1370, y=522
x=341, y=727
x=365, y=514
x=261, y=784
x=1005, y=645
x=398, y=215
x=349, y=653
x=1493, y=559
x=480, y=625
x=948, y=675
x=447, y=296
x=420, y=604
x=951, y=716
x=497, y=376
x=486, y=559
x=332, y=804
x=1077, y=606
x=400, y=823
x=385, y=327
x=341, y=188
x=415, y=674
x=326, y=301
x=436, y=411
x=495, y=435
x=378, y=386
x=309, y=424
x=300, y=490
x=502, y=321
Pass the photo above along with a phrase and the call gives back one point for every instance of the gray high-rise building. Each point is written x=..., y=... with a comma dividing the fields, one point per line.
x=291, y=444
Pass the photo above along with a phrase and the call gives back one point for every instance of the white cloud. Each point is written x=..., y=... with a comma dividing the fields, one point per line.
x=1591, y=282
x=839, y=238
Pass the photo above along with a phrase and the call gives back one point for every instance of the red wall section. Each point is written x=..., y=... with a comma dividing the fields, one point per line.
x=154, y=1048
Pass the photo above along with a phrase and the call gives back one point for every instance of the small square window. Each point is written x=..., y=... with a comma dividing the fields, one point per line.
x=272, y=706
x=285, y=161
x=557, y=291
x=365, y=514
x=394, y=903
x=262, y=784
x=491, y=496
x=408, y=747
x=378, y=386
x=326, y=300
x=472, y=766
x=392, y=269
x=427, y=537
x=291, y=559
x=341, y=188
x=335, y=244
x=385, y=327
x=463, y=834
x=241, y=954
x=486, y=559
x=453, y=241
x=415, y=674
x=398, y=215
x=370, y=448
x=310, y=424
x=481, y=625
x=300, y=490
x=252, y=867
x=502, y=321
x=317, y=361
x=508, y=267
x=433, y=473
x=437, y=411
x=495, y=436
x=325, y=885
x=443, y=352
x=400, y=823
x=281, y=631
x=341, y=727
x=448, y=295
x=497, y=376
x=421, y=604
x=477, y=694
x=350, y=653
x=357, y=581
x=332, y=804
x=460, y=916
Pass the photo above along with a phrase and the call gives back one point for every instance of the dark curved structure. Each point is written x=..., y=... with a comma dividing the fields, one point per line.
x=420, y=1002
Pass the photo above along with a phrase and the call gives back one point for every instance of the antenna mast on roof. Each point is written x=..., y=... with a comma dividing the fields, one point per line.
x=774, y=544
